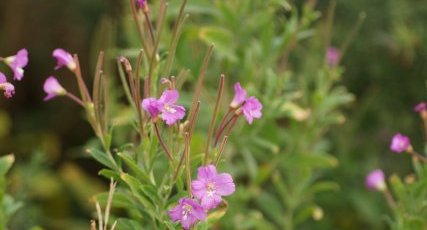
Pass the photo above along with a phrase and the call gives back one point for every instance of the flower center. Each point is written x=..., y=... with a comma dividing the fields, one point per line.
x=186, y=210
x=169, y=108
x=210, y=187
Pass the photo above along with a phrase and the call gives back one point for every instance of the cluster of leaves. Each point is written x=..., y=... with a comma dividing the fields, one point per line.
x=408, y=199
x=8, y=205
x=281, y=161
x=410, y=210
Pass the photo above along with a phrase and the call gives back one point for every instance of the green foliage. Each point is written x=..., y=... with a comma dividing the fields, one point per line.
x=282, y=158
x=8, y=205
x=287, y=170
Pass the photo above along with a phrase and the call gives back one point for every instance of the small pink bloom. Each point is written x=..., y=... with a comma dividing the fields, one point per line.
x=165, y=106
x=52, y=88
x=420, y=107
x=239, y=96
x=7, y=87
x=17, y=63
x=188, y=212
x=252, y=109
x=141, y=3
x=399, y=143
x=170, y=111
x=333, y=56
x=211, y=186
x=375, y=180
x=63, y=58
x=151, y=106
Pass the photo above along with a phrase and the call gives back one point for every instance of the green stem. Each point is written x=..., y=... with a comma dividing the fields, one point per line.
x=162, y=143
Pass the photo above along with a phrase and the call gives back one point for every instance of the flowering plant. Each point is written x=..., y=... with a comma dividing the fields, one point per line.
x=149, y=184
x=405, y=198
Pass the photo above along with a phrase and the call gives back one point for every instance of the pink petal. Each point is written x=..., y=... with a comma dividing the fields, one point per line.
x=211, y=202
x=2, y=78
x=224, y=184
x=198, y=188
x=206, y=172
x=151, y=106
x=239, y=95
x=169, y=96
x=173, y=114
x=63, y=58
x=176, y=213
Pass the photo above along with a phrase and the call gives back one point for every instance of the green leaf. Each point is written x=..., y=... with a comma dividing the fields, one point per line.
x=6, y=163
x=134, y=185
x=217, y=213
x=323, y=186
x=170, y=225
x=141, y=175
x=107, y=173
x=128, y=224
x=221, y=38
x=151, y=192
x=270, y=205
x=312, y=161
x=120, y=200
x=303, y=214
x=397, y=185
x=10, y=205
x=102, y=158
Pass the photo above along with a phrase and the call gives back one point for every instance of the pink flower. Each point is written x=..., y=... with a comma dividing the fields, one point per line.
x=252, y=109
x=166, y=106
x=400, y=143
x=188, y=212
x=375, y=180
x=211, y=186
x=420, y=107
x=152, y=106
x=53, y=88
x=171, y=112
x=141, y=3
x=251, y=106
x=333, y=56
x=7, y=87
x=63, y=58
x=239, y=96
x=17, y=63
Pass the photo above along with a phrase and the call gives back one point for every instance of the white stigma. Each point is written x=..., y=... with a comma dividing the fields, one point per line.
x=210, y=187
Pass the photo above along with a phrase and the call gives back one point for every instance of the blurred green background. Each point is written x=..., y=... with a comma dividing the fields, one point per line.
x=385, y=68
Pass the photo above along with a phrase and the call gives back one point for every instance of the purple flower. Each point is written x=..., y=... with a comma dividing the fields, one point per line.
x=211, y=186
x=375, y=180
x=400, y=143
x=239, y=96
x=7, y=87
x=333, y=56
x=53, y=88
x=252, y=109
x=17, y=63
x=63, y=58
x=171, y=112
x=151, y=106
x=251, y=106
x=420, y=107
x=188, y=212
x=166, y=106
x=141, y=3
